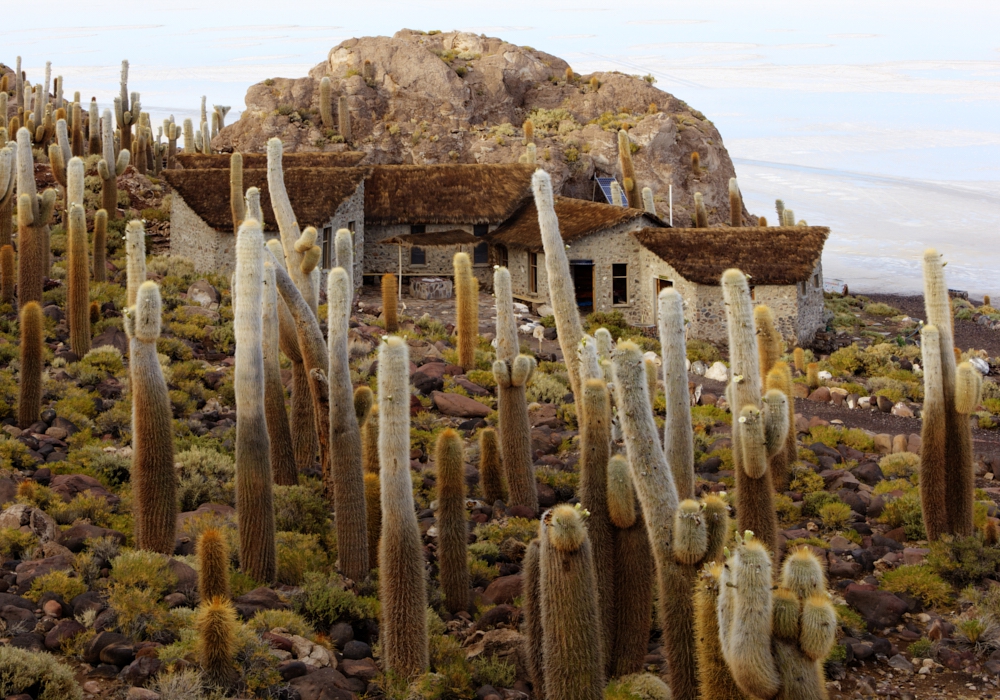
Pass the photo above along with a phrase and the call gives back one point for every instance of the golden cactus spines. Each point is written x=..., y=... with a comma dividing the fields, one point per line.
x=282, y=450
x=452, y=521
x=216, y=624
x=812, y=375
x=532, y=610
x=715, y=680
x=390, y=302
x=466, y=311
x=344, y=118
x=100, y=246
x=770, y=345
x=78, y=297
x=700, y=213
x=490, y=467
x=780, y=379
x=213, y=565
x=799, y=360
x=373, y=512
x=529, y=132
x=29, y=401
x=7, y=274
x=369, y=443
x=735, y=204
x=325, y=103
x=629, y=180
x=237, y=201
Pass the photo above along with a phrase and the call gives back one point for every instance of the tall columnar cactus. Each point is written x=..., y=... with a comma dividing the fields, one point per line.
x=490, y=467
x=512, y=372
x=452, y=521
x=127, y=109
x=389, y=303
x=135, y=259
x=700, y=214
x=33, y=214
x=110, y=167
x=633, y=574
x=402, y=582
x=217, y=625
x=93, y=128
x=373, y=513
x=8, y=178
x=237, y=202
x=787, y=217
x=206, y=139
x=343, y=245
x=779, y=207
x=630, y=184
x=735, y=204
x=154, y=481
x=7, y=274
x=189, y=144
x=325, y=103
x=647, y=201
x=946, y=435
x=100, y=246
x=561, y=291
x=799, y=359
x=76, y=142
x=529, y=132
x=780, y=378
x=254, y=499
x=769, y=343
x=466, y=311
x=775, y=641
x=760, y=424
x=595, y=449
x=282, y=453
x=172, y=132
x=344, y=118
x=682, y=536
x=714, y=678
x=213, y=569
x=346, y=475
x=678, y=437
x=617, y=199
x=29, y=397
x=812, y=375
x=78, y=301
x=532, y=611
x=572, y=656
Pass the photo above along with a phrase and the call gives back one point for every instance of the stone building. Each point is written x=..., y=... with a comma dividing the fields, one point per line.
x=783, y=264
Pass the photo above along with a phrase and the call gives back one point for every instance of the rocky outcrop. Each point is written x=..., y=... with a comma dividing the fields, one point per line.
x=457, y=97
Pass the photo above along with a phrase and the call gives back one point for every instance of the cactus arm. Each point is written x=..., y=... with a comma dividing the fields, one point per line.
x=968, y=386
x=776, y=419
x=344, y=248
x=590, y=364
x=534, y=637
x=282, y=453
x=57, y=164
x=78, y=296
x=515, y=431
x=74, y=182
x=507, y=344
x=933, y=437
x=690, y=533
x=678, y=438
x=237, y=203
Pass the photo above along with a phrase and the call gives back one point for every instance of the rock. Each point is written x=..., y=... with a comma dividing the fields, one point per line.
x=32, y=641
x=502, y=614
x=820, y=395
x=838, y=395
x=365, y=669
x=503, y=590
x=503, y=644
x=915, y=555
x=90, y=600
x=544, y=414
x=75, y=538
x=459, y=406
x=356, y=650
x=142, y=694
x=340, y=634
x=292, y=668
x=28, y=571
x=92, y=654
x=525, y=511
x=879, y=608
x=17, y=619
x=717, y=372
x=263, y=598
x=140, y=671
x=473, y=389
x=885, y=404
x=16, y=601
x=883, y=443
x=119, y=655
x=869, y=473
x=324, y=684
x=187, y=578
x=69, y=485
x=903, y=411
x=91, y=687
x=901, y=663
x=175, y=600
x=113, y=337
x=913, y=443
x=52, y=608
x=203, y=294
x=429, y=378
x=38, y=522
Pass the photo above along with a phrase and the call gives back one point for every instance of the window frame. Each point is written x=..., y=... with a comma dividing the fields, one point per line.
x=614, y=279
x=423, y=254
x=485, y=247
x=532, y=273
x=326, y=258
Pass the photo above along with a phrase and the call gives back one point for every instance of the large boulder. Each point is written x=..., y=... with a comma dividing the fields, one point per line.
x=459, y=406
x=34, y=520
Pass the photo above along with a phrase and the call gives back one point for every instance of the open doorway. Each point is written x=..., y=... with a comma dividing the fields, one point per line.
x=660, y=283
x=583, y=282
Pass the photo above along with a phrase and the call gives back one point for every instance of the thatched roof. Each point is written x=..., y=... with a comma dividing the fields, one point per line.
x=770, y=255
x=342, y=159
x=315, y=193
x=578, y=218
x=445, y=194
x=435, y=238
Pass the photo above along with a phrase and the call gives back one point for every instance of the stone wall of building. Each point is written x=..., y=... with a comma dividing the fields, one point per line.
x=192, y=238
x=351, y=215
x=811, y=306
x=381, y=258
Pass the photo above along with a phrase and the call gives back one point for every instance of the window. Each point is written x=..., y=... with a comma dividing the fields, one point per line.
x=350, y=227
x=753, y=292
x=802, y=288
x=501, y=253
x=533, y=273
x=481, y=254
x=327, y=247
x=619, y=284
x=417, y=256
x=480, y=229
x=816, y=280
x=418, y=228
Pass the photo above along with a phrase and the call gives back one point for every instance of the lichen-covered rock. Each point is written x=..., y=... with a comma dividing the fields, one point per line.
x=456, y=97
x=36, y=520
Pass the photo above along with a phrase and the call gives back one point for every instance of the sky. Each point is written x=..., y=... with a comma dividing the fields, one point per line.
x=878, y=119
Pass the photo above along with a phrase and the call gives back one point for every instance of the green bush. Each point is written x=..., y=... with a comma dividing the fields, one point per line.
x=835, y=515
x=920, y=649
x=301, y=508
x=905, y=512
x=900, y=464
x=204, y=476
x=267, y=620
x=58, y=582
x=15, y=544
x=40, y=673
x=298, y=555
x=814, y=502
x=520, y=529
x=963, y=560
x=806, y=481
x=920, y=581
x=323, y=601
x=139, y=569
x=493, y=671
x=638, y=686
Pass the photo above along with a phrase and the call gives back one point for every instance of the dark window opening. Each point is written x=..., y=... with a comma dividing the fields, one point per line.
x=619, y=284
x=417, y=256
x=480, y=229
x=501, y=255
x=350, y=226
x=753, y=292
x=327, y=247
x=418, y=228
x=481, y=254
x=533, y=273
x=583, y=282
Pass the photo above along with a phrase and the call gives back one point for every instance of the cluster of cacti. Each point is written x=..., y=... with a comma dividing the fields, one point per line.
x=452, y=521
x=776, y=375
x=389, y=303
x=466, y=310
x=512, y=372
x=281, y=450
x=951, y=393
x=33, y=214
x=735, y=203
x=29, y=398
x=630, y=184
x=110, y=167
x=154, y=481
x=127, y=111
x=760, y=423
x=774, y=641
x=402, y=581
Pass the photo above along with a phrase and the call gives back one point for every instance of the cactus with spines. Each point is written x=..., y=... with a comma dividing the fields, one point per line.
x=762, y=221
x=8, y=178
x=215, y=124
x=254, y=499
x=127, y=109
x=735, y=204
x=7, y=274
x=213, y=565
x=281, y=451
x=222, y=111
x=100, y=246
x=29, y=397
x=325, y=103
x=466, y=311
x=93, y=128
x=490, y=467
x=678, y=437
x=217, y=626
x=779, y=208
x=188, y=131
x=452, y=521
x=529, y=132
x=237, y=202
x=951, y=390
x=344, y=118
x=714, y=678
x=345, y=482
x=532, y=612
x=530, y=155
x=652, y=381
x=76, y=141
x=673, y=528
x=172, y=132
x=986, y=301
x=206, y=139
x=774, y=641
x=78, y=297
x=402, y=581
x=812, y=375
x=760, y=423
x=629, y=182
x=647, y=201
x=561, y=291
x=700, y=214
x=135, y=259
x=364, y=403
x=780, y=379
x=60, y=153
x=389, y=303
x=369, y=442
x=770, y=345
x=33, y=214
x=787, y=217
x=110, y=167
x=154, y=481
x=799, y=360
x=616, y=194
x=572, y=658
x=512, y=372
x=695, y=163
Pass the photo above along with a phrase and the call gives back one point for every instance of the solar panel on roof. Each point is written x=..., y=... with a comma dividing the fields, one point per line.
x=605, y=184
